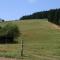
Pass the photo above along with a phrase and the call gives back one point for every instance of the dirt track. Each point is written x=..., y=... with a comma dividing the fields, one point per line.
x=55, y=26
x=3, y=58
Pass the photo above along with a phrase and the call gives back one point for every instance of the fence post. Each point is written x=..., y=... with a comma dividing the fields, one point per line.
x=22, y=49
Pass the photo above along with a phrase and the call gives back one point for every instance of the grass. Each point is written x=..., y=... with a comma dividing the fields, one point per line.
x=41, y=41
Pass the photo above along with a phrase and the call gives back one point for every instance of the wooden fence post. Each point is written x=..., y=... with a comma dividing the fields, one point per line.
x=22, y=49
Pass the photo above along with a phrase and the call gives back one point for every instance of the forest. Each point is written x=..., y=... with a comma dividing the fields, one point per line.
x=53, y=15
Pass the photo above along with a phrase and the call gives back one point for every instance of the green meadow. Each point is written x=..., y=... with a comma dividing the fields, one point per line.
x=41, y=41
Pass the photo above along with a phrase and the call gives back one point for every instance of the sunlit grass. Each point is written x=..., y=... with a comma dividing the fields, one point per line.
x=41, y=41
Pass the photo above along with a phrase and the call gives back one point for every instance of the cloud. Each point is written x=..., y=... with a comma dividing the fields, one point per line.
x=32, y=1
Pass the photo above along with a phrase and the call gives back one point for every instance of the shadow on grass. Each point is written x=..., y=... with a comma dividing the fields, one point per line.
x=15, y=42
x=8, y=41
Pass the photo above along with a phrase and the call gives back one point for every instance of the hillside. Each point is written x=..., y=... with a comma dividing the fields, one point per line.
x=41, y=41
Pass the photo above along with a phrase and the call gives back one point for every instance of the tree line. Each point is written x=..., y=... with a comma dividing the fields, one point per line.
x=37, y=15
x=53, y=15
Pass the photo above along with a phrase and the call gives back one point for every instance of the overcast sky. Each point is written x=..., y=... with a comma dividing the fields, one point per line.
x=14, y=9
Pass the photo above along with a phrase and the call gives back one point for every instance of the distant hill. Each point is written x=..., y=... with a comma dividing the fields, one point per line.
x=53, y=15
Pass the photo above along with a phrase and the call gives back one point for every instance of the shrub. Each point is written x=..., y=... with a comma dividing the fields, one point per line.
x=9, y=33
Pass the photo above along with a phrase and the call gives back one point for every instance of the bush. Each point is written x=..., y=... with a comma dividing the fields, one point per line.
x=9, y=33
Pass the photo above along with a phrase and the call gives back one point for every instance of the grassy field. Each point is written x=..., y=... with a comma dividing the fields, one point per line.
x=41, y=41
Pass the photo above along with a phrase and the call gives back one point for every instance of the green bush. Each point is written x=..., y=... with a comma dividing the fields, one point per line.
x=9, y=33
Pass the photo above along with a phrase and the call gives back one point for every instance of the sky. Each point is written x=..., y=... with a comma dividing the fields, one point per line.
x=14, y=9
